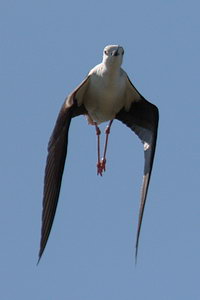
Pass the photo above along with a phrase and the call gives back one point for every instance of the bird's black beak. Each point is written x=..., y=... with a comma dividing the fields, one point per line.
x=115, y=52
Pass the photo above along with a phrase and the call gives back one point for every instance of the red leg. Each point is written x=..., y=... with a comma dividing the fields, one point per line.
x=98, y=132
x=103, y=160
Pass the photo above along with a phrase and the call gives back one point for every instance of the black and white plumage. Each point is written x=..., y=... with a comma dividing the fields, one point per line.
x=106, y=94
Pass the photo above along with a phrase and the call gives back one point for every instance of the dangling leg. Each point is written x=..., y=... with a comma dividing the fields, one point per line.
x=103, y=160
x=98, y=132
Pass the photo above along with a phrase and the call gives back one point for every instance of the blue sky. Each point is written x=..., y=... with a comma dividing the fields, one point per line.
x=47, y=48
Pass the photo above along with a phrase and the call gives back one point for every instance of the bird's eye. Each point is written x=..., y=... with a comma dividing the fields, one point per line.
x=106, y=52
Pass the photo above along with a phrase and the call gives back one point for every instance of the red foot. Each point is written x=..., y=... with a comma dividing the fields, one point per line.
x=101, y=167
x=103, y=164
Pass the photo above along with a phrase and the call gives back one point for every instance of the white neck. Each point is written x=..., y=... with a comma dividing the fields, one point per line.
x=111, y=67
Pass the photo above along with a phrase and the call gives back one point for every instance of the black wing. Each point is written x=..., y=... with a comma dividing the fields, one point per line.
x=142, y=117
x=57, y=150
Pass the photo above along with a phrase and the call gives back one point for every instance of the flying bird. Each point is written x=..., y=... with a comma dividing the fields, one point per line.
x=106, y=94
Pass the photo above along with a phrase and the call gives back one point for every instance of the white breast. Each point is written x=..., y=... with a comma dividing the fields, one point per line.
x=105, y=95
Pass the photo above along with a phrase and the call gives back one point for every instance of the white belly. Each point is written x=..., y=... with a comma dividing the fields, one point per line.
x=104, y=98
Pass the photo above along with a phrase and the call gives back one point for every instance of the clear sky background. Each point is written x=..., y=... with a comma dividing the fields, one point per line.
x=47, y=48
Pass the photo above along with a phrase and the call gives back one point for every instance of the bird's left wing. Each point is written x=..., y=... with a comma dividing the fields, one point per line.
x=142, y=117
x=57, y=150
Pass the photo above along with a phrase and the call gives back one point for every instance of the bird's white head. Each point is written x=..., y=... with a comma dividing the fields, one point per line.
x=113, y=55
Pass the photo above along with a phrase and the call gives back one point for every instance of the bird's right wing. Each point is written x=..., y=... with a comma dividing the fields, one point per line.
x=57, y=150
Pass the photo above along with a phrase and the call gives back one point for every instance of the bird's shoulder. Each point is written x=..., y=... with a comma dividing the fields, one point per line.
x=97, y=70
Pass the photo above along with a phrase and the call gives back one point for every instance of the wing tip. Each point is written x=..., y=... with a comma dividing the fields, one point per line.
x=136, y=255
x=40, y=256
